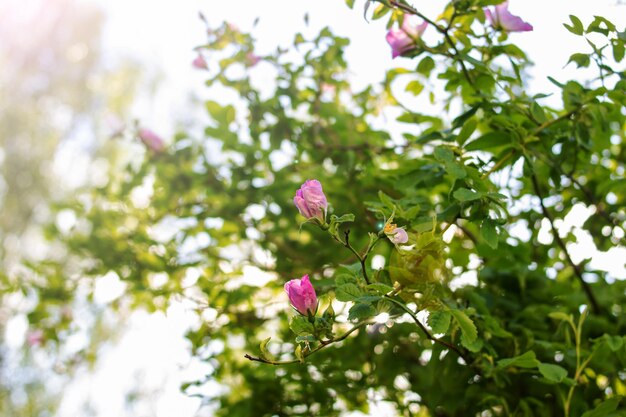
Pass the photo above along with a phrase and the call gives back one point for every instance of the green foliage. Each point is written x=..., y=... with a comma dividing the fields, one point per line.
x=490, y=159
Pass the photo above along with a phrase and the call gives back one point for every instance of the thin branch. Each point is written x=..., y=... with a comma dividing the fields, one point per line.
x=554, y=121
x=499, y=164
x=426, y=332
x=361, y=258
x=586, y=287
x=591, y=198
x=444, y=31
x=321, y=346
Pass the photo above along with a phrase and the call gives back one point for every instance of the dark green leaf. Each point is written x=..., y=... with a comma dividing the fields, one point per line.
x=426, y=65
x=464, y=194
x=525, y=360
x=444, y=154
x=414, y=87
x=604, y=408
x=348, y=292
x=581, y=60
x=489, y=232
x=439, y=321
x=468, y=329
x=466, y=131
x=577, y=27
x=554, y=373
x=380, y=288
x=361, y=312
x=488, y=141
x=300, y=325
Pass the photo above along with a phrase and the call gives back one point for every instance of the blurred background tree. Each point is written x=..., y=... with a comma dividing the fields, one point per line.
x=55, y=92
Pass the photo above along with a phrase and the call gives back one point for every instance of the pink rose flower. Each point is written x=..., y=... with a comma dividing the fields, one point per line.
x=252, y=59
x=34, y=337
x=302, y=295
x=311, y=201
x=199, y=63
x=404, y=39
x=397, y=235
x=151, y=140
x=501, y=18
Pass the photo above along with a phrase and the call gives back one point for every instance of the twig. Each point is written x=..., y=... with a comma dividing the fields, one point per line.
x=321, y=346
x=586, y=287
x=444, y=31
x=426, y=332
x=361, y=258
x=535, y=132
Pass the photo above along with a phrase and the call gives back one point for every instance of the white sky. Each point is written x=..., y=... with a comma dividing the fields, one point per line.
x=161, y=34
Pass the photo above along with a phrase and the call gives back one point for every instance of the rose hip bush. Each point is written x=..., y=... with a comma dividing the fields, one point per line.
x=425, y=284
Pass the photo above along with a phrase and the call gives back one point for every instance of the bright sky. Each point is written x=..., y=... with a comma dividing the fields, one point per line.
x=161, y=34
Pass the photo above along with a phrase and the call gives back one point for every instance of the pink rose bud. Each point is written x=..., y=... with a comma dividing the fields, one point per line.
x=302, y=295
x=34, y=337
x=151, y=140
x=252, y=59
x=404, y=39
x=199, y=63
x=501, y=18
x=311, y=201
x=397, y=235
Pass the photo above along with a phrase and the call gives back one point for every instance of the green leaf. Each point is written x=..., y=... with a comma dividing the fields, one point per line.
x=466, y=131
x=576, y=27
x=344, y=278
x=414, y=87
x=555, y=82
x=464, y=194
x=554, y=373
x=263, y=346
x=348, y=292
x=380, y=288
x=474, y=346
x=343, y=219
x=426, y=65
x=537, y=111
x=618, y=50
x=604, y=408
x=489, y=232
x=368, y=298
x=601, y=25
x=581, y=60
x=300, y=325
x=464, y=117
x=444, y=154
x=559, y=315
x=468, y=329
x=361, y=312
x=299, y=354
x=380, y=11
x=386, y=200
x=525, y=360
x=488, y=141
x=439, y=321
x=402, y=275
x=614, y=343
x=456, y=170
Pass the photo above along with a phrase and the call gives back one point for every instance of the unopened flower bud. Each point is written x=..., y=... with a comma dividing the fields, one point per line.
x=302, y=295
x=311, y=201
